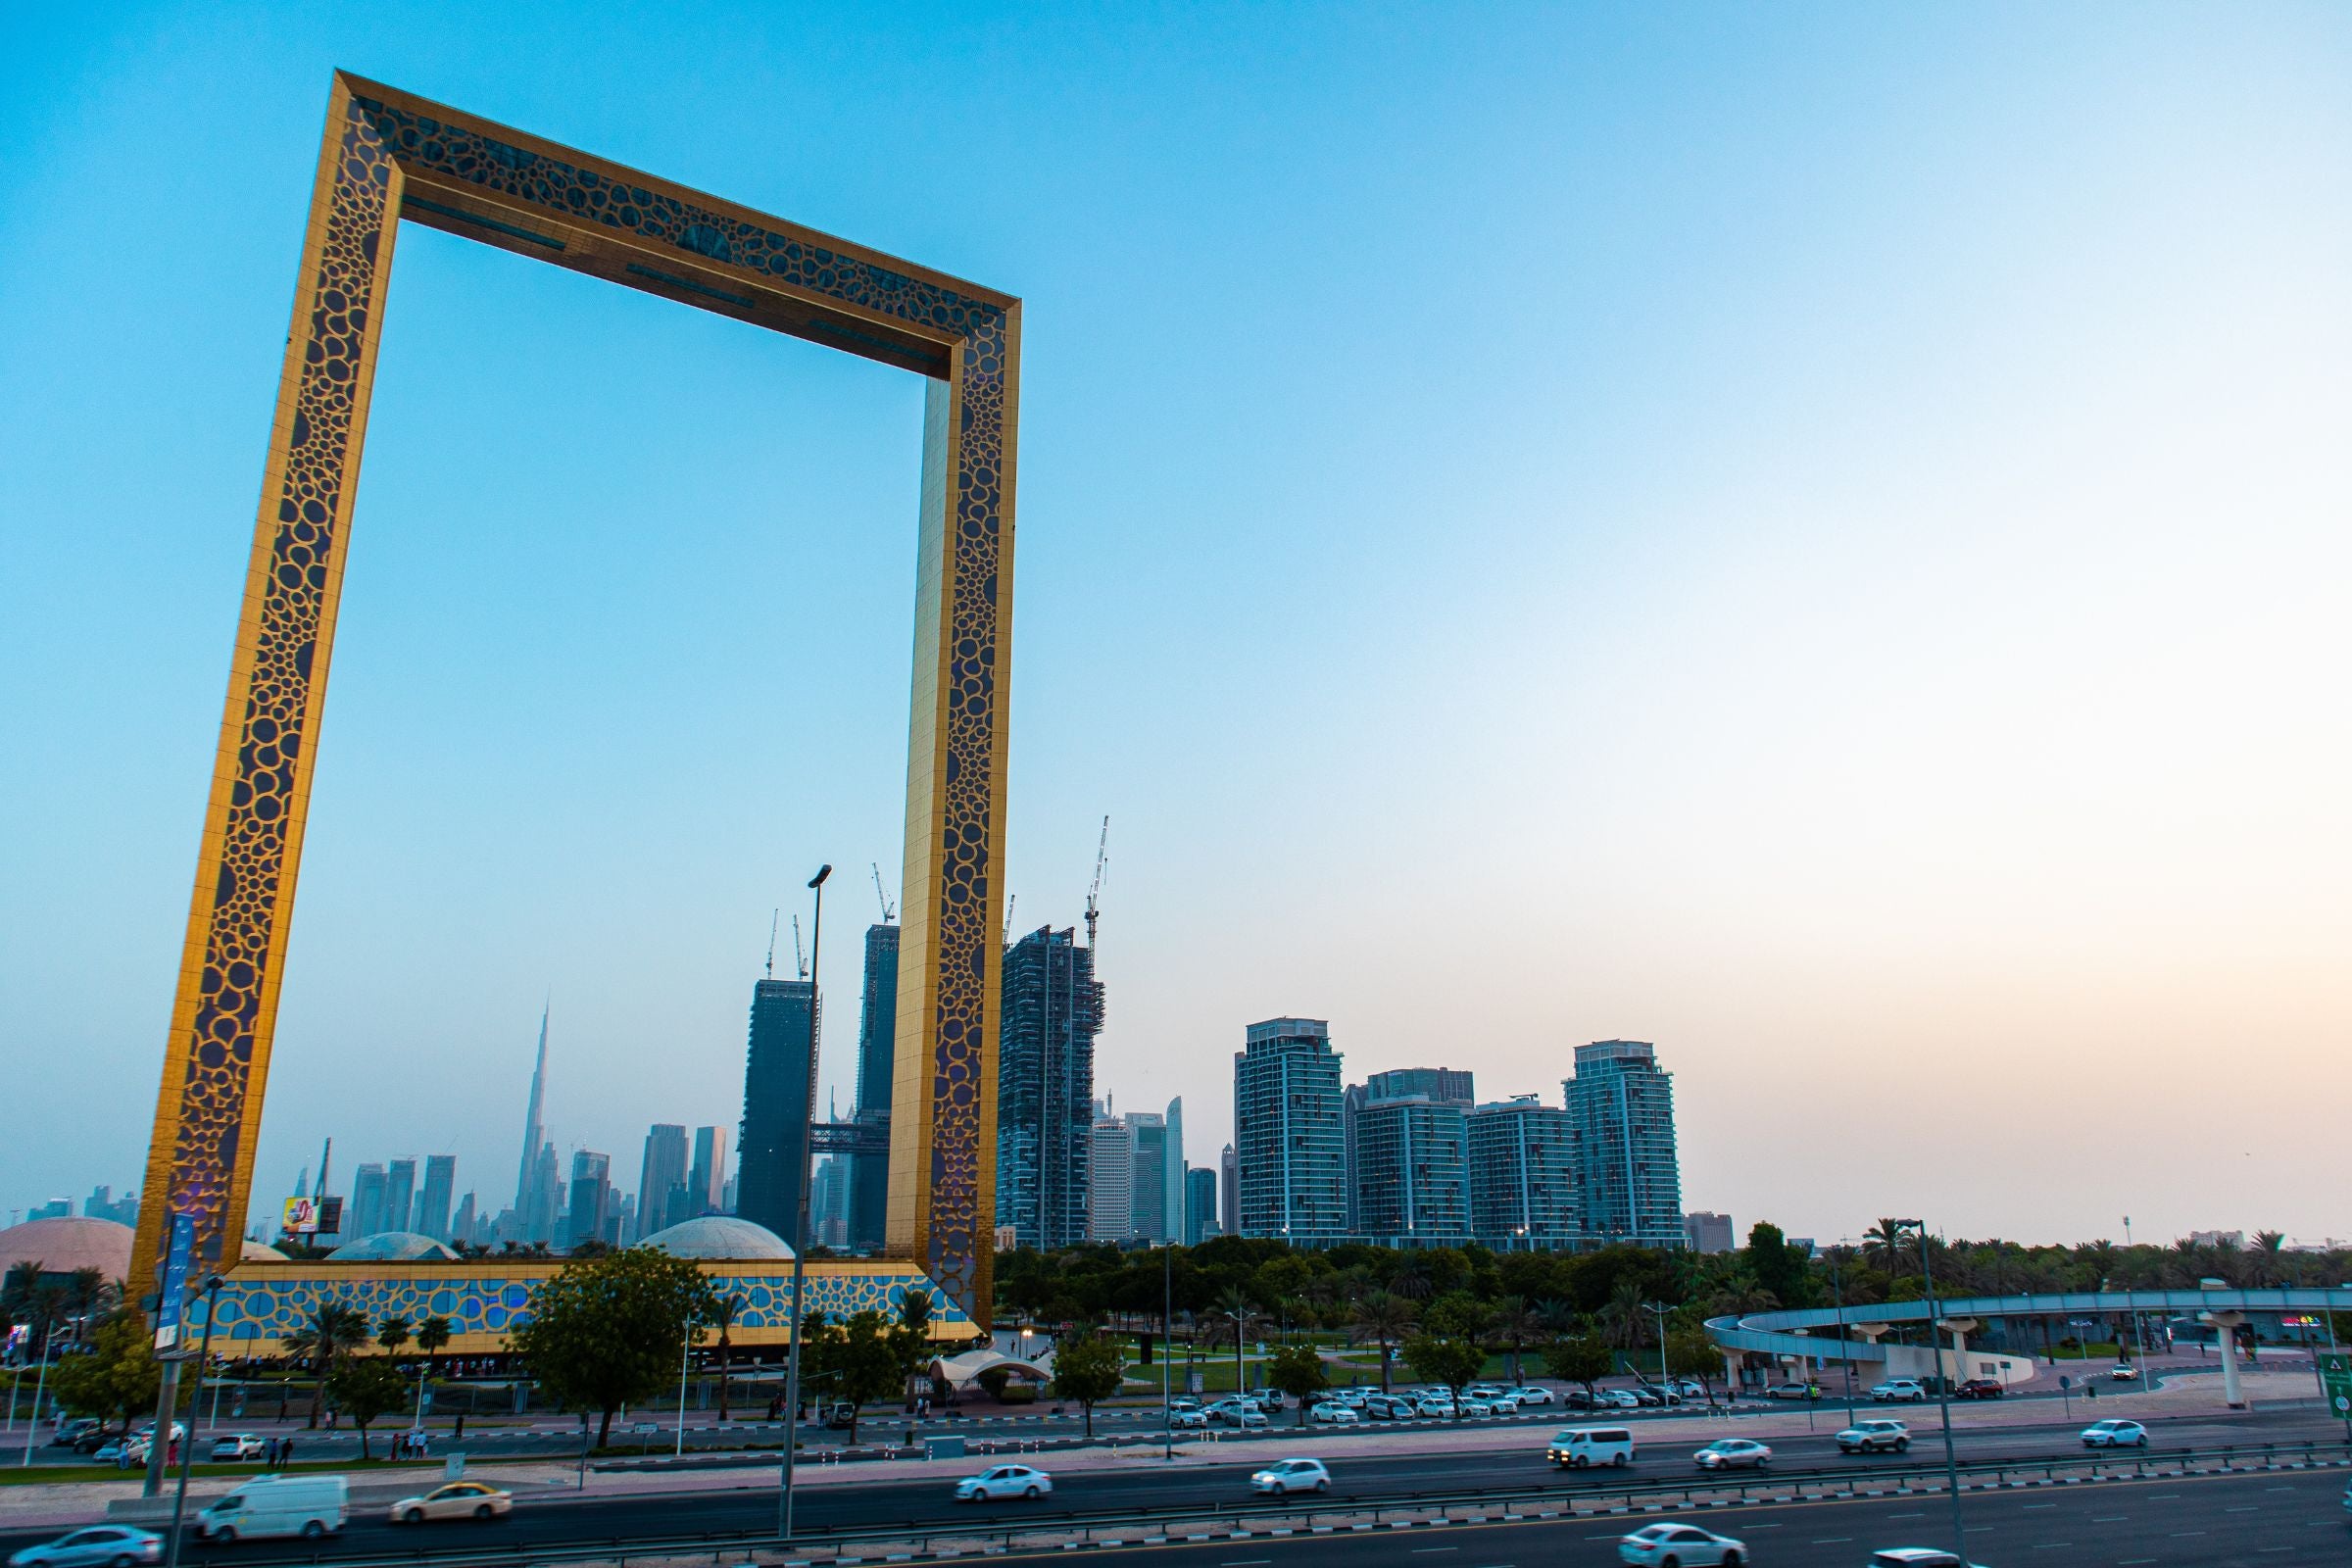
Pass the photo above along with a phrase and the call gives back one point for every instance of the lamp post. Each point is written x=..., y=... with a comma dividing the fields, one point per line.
x=1837, y=1288
x=1658, y=1311
x=685, y=1350
x=1944, y=1390
x=1167, y=1349
x=187, y=1449
x=40, y=1385
x=800, y=1219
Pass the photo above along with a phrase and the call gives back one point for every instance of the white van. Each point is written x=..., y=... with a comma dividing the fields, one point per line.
x=1580, y=1447
x=310, y=1507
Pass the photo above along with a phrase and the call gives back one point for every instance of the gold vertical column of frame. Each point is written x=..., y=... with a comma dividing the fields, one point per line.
x=216, y=1061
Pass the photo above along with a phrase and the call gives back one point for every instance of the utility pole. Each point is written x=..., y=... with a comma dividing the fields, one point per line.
x=800, y=1214
x=1944, y=1386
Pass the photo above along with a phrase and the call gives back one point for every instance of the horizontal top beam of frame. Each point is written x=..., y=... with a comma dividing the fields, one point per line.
x=488, y=182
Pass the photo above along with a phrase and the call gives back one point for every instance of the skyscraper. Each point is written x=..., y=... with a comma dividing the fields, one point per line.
x=591, y=1197
x=367, y=1202
x=1149, y=1202
x=1199, y=1205
x=707, y=1181
x=1052, y=1010
x=400, y=1194
x=1229, y=1203
x=1621, y=1107
x=1442, y=1085
x=1287, y=1131
x=779, y=1095
x=1110, y=1190
x=1412, y=1176
x=662, y=1179
x=432, y=1203
x=541, y=1222
x=1523, y=1174
x=829, y=1203
x=1174, y=1179
x=527, y=1202
x=463, y=1226
x=877, y=1062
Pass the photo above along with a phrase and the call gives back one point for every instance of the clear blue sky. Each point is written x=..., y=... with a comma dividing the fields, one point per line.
x=1813, y=535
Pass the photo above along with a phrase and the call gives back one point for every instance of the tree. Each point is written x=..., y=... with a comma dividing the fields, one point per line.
x=603, y=1333
x=1690, y=1354
x=116, y=1377
x=1780, y=1268
x=859, y=1360
x=1514, y=1328
x=1087, y=1369
x=1384, y=1317
x=1450, y=1361
x=721, y=1313
x=1297, y=1371
x=393, y=1335
x=909, y=1339
x=1581, y=1358
x=431, y=1335
x=335, y=1328
x=364, y=1388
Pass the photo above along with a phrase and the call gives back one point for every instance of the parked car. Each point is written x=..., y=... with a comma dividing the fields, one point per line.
x=93, y=1547
x=1005, y=1480
x=1475, y=1404
x=1616, y=1400
x=110, y=1452
x=1793, y=1391
x=1292, y=1475
x=1899, y=1391
x=1387, y=1408
x=310, y=1507
x=1236, y=1411
x=1505, y=1403
x=1437, y=1406
x=1482, y=1391
x=2113, y=1434
x=1680, y=1545
x=1533, y=1394
x=1193, y=1420
x=1733, y=1453
x=1268, y=1399
x=1980, y=1389
x=1333, y=1413
x=73, y=1430
x=1875, y=1436
x=1659, y=1394
x=460, y=1500
x=1581, y=1447
x=238, y=1447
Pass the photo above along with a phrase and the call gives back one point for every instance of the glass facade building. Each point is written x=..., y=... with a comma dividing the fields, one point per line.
x=1200, y=1205
x=779, y=1091
x=1288, y=1136
x=1412, y=1176
x=1523, y=1174
x=1052, y=1011
x=1621, y=1106
x=1148, y=1198
x=877, y=1046
x=1111, y=1180
x=438, y=1192
x=661, y=1180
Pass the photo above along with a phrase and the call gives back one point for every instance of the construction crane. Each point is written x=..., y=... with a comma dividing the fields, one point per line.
x=772, y=917
x=1010, y=898
x=799, y=960
x=1094, y=894
x=888, y=913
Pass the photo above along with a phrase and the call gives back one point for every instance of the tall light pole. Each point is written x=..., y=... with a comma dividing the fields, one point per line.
x=1658, y=1309
x=799, y=1216
x=1943, y=1385
x=187, y=1448
x=1167, y=1349
x=1837, y=1287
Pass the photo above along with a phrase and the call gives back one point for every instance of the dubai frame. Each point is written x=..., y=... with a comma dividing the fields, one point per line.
x=388, y=156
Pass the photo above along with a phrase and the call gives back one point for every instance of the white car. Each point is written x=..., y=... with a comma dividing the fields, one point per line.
x=243, y=1445
x=1616, y=1400
x=1533, y=1393
x=1899, y=1391
x=1482, y=1391
x=1003, y=1481
x=1875, y=1436
x=460, y=1500
x=1916, y=1557
x=1292, y=1475
x=94, y=1546
x=1436, y=1406
x=1477, y=1405
x=1680, y=1545
x=2115, y=1435
x=1733, y=1453
x=1190, y=1420
x=1236, y=1412
x=1333, y=1413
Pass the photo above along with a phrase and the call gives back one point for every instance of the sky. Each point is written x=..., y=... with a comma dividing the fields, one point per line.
x=1814, y=536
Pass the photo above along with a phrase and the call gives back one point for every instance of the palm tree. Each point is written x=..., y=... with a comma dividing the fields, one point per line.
x=431, y=1335
x=1410, y=1278
x=1883, y=1242
x=1623, y=1317
x=722, y=1312
x=1235, y=1315
x=1384, y=1317
x=1514, y=1324
x=334, y=1328
x=393, y=1335
x=2268, y=1249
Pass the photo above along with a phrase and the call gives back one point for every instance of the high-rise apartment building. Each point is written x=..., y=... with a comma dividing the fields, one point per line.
x=878, y=1065
x=1523, y=1174
x=707, y=1181
x=1229, y=1190
x=434, y=1198
x=1199, y=1205
x=1149, y=1197
x=1288, y=1132
x=367, y=1202
x=1707, y=1231
x=779, y=1095
x=661, y=1180
x=1110, y=1188
x=1440, y=1085
x=1412, y=1176
x=592, y=1203
x=400, y=1194
x=1630, y=1176
x=1052, y=1011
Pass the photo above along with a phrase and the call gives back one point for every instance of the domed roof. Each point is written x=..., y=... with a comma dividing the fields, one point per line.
x=250, y=1251
x=719, y=1236
x=63, y=1245
x=391, y=1246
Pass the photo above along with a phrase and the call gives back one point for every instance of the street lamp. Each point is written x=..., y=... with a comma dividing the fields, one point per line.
x=1944, y=1386
x=187, y=1448
x=799, y=1218
x=1837, y=1288
x=1658, y=1309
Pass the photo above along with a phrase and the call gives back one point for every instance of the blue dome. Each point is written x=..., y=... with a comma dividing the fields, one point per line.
x=721, y=1236
x=392, y=1246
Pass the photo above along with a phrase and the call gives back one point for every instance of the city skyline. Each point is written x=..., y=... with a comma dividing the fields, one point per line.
x=1855, y=538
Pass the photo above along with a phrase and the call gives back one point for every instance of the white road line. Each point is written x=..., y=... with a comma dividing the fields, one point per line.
x=1247, y=1562
x=2041, y=1505
x=1423, y=1552
x=2244, y=1507
x=2111, y=1519
x=1831, y=1541
x=2053, y=1545
x=2179, y=1534
x=1922, y=1514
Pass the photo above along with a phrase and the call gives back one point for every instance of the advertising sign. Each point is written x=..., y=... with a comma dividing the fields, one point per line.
x=302, y=1216
x=172, y=1301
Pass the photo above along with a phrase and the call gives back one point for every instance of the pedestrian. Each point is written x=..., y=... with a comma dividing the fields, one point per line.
x=286, y=1453
x=459, y=1436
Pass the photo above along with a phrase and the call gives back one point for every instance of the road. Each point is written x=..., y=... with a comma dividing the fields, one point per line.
x=1146, y=1483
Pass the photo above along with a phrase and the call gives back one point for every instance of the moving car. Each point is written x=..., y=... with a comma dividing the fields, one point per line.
x=1292, y=1475
x=1793, y=1391
x=310, y=1506
x=2115, y=1435
x=1980, y=1389
x=460, y=1500
x=1333, y=1413
x=93, y=1547
x=1916, y=1557
x=1875, y=1436
x=1581, y=1448
x=1733, y=1453
x=1005, y=1480
x=2125, y=1372
x=1899, y=1391
x=241, y=1445
x=1668, y=1545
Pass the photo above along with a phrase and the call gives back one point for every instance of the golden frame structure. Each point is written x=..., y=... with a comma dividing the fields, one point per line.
x=388, y=156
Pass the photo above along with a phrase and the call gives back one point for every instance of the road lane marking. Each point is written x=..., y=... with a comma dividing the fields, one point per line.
x=2244, y=1507
x=1922, y=1514
x=1831, y=1540
x=1247, y=1562
x=2053, y=1545
x=1423, y=1552
x=2111, y=1519
x=2180, y=1534
x=2041, y=1505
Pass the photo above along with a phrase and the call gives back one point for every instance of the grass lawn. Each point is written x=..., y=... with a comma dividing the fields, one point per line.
x=2088, y=1353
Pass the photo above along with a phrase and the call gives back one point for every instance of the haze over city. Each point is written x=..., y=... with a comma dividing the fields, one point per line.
x=1818, y=545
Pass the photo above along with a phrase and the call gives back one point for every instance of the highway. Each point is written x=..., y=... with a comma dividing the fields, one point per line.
x=1145, y=1482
